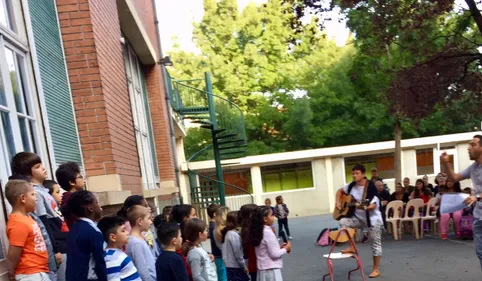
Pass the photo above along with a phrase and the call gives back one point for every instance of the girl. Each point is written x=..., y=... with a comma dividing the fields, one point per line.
x=233, y=251
x=202, y=266
x=182, y=213
x=220, y=219
x=266, y=245
x=451, y=187
x=282, y=213
x=421, y=192
x=249, y=252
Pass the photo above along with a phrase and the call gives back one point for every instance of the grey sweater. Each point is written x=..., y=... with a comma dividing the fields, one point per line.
x=142, y=257
x=233, y=256
x=201, y=266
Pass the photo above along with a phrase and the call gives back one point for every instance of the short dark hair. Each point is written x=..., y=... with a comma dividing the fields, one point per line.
x=166, y=232
x=49, y=184
x=23, y=162
x=66, y=173
x=359, y=167
x=109, y=225
x=130, y=201
x=212, y=210
x=479, y=137
x=78, y=202
x=15, y=188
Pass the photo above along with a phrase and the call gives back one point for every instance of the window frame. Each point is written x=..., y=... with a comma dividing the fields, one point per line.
x=435, y=159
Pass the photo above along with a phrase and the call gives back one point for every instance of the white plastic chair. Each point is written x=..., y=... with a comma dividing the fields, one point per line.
x=429, y=216
x=397, y=207
x=416, y=205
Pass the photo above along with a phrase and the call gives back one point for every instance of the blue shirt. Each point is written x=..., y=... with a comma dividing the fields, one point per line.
x=85, y=252
x=119, y=266
x=170, y=266
x=214, y=248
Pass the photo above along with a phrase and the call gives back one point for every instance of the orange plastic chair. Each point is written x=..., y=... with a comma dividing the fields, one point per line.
x=342, y=236
x=429, y=216
x=397, y=209
x=416, y=205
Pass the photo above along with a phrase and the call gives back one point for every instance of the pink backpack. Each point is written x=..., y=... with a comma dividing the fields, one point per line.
x=466, y=227
x=324, y=238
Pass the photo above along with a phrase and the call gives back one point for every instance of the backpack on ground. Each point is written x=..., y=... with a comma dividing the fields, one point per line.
x=324, y=238
x=465, y=228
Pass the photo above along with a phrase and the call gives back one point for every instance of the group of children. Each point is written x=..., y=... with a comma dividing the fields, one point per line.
x=63, y=236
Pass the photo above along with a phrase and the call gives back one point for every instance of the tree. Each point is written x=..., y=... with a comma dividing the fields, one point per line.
x=423, y=53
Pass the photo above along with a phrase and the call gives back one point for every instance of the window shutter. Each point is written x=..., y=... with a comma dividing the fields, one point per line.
x=58, y=100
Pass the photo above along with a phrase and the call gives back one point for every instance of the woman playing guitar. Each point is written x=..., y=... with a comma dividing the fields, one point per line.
x=367, y=212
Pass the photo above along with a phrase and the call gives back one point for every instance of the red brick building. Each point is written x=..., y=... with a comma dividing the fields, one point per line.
x=112, y=53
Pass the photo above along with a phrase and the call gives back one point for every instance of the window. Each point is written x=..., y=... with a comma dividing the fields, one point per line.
x=6, y=14
x=16, y=108
x=141, y=118
x=287, y=177
x=425, y=162
x=385, y=163
x=239, y=178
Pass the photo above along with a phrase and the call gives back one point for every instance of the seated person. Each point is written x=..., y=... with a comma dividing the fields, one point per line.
x=399, y=194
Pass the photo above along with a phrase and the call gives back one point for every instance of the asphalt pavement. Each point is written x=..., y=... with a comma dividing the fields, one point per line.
x=428, y=259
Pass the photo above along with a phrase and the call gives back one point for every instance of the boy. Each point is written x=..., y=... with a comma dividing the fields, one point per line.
x=70, y=179
x=218, y=258
x=139, y=218
x=85, y=242
x=27, y=254
x=29, y=165
x=170, y=266
x=118, y=265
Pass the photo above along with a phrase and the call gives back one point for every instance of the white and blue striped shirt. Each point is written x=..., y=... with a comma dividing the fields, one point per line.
x=119, y=266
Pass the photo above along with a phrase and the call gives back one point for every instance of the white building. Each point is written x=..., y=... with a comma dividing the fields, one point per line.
x=308, y=179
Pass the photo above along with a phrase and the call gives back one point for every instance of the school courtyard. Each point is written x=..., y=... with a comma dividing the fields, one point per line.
x=408, y=259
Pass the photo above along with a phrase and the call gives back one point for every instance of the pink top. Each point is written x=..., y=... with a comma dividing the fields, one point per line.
x=268, y=253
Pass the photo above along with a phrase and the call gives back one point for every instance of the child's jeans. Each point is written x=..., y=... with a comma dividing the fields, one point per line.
x=221, y=269
x=445, y=218
x=41, y=276
x=281, y=223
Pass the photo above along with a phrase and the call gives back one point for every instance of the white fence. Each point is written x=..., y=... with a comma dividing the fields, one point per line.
x=236, y=202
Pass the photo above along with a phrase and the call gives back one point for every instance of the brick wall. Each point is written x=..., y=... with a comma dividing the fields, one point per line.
x=91, y=36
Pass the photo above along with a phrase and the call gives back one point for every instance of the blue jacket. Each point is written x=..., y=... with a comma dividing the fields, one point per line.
x=83, y=241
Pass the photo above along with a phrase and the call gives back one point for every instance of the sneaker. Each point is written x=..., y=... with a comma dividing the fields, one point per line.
x=290, y=238
x=444, y=236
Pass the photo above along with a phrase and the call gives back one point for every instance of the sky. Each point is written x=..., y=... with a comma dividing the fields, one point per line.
x=176, y=20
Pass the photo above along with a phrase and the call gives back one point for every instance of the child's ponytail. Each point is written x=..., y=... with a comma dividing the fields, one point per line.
x=192, y=229
x=256, y=227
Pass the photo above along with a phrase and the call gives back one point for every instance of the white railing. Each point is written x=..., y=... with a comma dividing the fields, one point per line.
x=237, y=201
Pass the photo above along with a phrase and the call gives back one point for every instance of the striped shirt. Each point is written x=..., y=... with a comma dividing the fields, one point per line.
x=119, y=266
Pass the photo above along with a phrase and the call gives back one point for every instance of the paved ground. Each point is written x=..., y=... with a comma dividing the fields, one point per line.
x=430, y=259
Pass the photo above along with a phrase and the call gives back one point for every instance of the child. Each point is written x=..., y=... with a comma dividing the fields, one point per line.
x=218, y=258
x=27, y=253
x=169, y=265
x=59, y=227
x=281, y=214
x=267, y=203
x=166, y=212
x=28, y=164
x=71, y=180
x=249, y=252
x=220, y=220
x=137, y=248
x=119, y=266
x=268, y=252
x=85, y=242
x=202, y=267
x=233, y=250
x=182, y=213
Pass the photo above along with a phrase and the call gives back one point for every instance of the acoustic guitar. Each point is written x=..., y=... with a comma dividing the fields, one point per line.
x=348, y=207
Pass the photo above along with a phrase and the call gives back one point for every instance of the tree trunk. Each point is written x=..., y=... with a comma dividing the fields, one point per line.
x=398, y=151
x=475, y=13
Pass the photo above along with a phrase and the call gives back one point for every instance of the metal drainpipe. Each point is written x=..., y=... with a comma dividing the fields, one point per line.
x=168, y=101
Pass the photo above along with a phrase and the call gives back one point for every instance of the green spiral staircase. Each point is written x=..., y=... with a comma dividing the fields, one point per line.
x=194, y=101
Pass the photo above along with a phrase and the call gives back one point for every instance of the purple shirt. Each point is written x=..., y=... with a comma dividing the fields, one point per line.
x=268, y=253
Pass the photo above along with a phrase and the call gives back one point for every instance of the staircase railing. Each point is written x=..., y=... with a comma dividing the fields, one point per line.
x=194, y=100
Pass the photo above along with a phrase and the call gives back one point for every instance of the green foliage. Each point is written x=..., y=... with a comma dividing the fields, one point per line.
x=263, y=57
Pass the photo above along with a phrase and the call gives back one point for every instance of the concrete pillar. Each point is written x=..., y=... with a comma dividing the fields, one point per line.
x=257, y=184
x=409, y=165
